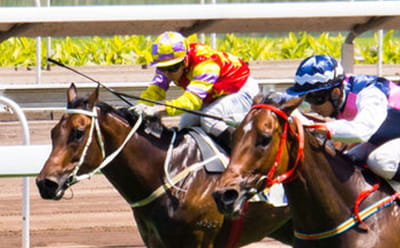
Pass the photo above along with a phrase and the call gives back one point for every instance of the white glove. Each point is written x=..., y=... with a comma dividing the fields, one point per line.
x=138, y=108
x=153, y=110
x=142, y=108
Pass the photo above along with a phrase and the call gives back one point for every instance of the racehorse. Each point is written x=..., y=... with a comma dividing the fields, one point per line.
x=130, y=151
x=333, y=202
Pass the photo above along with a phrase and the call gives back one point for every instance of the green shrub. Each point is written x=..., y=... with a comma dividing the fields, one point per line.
x=135, y=49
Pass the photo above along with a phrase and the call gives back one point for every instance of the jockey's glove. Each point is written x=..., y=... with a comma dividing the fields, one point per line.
x=156, y=110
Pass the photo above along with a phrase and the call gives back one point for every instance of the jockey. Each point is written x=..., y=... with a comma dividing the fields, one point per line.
x=367, y=109
x=215, y=82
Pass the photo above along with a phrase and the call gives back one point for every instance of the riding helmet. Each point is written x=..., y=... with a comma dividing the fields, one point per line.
x=315, y=73
x=169, y=49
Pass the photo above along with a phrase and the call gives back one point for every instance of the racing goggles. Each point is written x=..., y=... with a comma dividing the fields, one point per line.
x=171, y=69
x=317, y=97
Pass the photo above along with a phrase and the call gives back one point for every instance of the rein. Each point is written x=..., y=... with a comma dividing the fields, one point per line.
x=300, y=150
x=123, y=96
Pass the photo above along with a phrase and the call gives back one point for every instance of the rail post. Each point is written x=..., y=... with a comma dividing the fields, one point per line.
x=25, y=180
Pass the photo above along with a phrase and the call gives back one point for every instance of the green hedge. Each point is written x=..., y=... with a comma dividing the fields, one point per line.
x=135, y=49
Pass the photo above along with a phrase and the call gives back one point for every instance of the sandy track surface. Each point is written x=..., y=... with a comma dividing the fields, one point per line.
x=92, y=214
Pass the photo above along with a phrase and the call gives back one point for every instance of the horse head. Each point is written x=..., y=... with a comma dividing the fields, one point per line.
x=77, y=146
x=259, y=151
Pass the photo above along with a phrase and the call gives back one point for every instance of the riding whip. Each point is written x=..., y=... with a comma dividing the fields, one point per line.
x=123, y=95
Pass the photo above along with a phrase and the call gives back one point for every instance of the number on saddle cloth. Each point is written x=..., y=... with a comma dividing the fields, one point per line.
x=207, y=151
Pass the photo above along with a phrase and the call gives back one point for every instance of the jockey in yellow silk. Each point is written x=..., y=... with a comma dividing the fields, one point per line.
x=214, y=82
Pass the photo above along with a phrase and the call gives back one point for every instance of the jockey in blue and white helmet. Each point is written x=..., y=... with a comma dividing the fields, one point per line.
x=367, y=108
x=316, y=73
x=315, y=77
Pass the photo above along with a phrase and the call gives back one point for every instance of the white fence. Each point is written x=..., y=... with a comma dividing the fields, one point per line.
x=22, y=160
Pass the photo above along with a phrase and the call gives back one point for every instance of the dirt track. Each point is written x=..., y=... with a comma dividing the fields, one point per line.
x=94, y=216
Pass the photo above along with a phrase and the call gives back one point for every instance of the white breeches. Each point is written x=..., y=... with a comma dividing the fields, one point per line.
x=234, y=106
x=384, y=160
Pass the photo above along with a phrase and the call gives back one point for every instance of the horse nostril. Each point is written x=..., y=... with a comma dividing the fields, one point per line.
x=47, y=188
x=225, y=200
x=229, y=196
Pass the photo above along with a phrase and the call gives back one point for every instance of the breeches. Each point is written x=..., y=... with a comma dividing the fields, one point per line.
x=382, y=160
x=233, y=106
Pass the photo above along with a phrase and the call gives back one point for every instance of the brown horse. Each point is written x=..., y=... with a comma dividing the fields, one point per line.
x=178, y=212
x=333, y=202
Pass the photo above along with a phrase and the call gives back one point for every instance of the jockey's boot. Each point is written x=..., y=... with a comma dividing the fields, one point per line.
x=225, y=139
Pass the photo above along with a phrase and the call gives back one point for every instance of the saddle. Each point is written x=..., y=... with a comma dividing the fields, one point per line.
x=209, y=149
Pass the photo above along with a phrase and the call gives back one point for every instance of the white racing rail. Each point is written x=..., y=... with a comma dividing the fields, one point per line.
x=22, y=160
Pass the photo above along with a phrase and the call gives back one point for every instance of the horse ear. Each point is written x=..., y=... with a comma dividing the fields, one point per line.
x=71, y=93
x=291, y=104
x=94, y=97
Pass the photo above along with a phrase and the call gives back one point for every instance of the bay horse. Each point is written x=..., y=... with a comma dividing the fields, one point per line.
x=333, y=202
x=130, y=151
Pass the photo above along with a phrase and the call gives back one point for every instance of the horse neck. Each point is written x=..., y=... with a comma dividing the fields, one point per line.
x=137, y=170
x=326, y=184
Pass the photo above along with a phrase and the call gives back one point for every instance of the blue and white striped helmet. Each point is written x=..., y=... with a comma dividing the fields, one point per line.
x=315, y=73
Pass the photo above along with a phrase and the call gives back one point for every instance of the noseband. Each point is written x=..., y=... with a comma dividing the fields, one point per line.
x=269, y=180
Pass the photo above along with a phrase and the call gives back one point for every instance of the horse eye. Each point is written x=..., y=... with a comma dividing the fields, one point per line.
x=263, y=140
x=76, y=135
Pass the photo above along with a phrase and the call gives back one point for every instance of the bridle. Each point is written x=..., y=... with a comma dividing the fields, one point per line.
x=95, y=125
x=269, y=177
